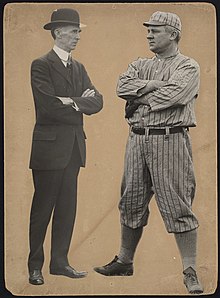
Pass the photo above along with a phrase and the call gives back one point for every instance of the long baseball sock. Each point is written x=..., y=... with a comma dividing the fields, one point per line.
x=129, y=241
x=187, y=244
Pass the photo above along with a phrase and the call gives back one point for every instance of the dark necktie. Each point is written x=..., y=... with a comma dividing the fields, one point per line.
x=69, y=66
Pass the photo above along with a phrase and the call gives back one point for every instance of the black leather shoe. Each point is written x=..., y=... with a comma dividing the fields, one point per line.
x=68, y=271
x=36, y=277
x=115, y=268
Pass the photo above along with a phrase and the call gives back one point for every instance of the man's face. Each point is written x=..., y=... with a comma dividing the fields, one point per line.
x=68, y=37
x=158, y=38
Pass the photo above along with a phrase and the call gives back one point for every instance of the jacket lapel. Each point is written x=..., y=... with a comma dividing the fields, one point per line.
x=58, y=65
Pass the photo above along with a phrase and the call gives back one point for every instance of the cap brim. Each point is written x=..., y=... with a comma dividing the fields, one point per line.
x=55, y=24
x=153, y=24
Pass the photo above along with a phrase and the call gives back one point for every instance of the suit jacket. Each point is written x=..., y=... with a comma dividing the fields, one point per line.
x=58, y=126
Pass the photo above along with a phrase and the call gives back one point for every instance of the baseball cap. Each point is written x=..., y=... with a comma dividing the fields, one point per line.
x=160, y=18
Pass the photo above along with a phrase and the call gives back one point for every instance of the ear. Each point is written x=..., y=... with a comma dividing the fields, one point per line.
x=173, y=35
x=57, y=32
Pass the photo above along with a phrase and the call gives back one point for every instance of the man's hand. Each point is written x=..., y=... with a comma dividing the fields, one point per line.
x=155, y=84
x=141, y=100
x=88, y=92
x=151, y=86
x=66, y=100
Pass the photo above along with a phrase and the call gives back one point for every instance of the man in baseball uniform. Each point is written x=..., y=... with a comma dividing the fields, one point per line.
x=160, y=93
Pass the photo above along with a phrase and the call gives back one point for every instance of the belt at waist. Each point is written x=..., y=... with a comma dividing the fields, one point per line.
x=157, y=131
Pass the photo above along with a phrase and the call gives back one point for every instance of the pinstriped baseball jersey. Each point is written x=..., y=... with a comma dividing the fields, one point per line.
x=160, y=164
x=170, y=105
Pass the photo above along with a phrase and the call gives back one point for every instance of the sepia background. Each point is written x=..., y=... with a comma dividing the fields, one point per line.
x=114, y=37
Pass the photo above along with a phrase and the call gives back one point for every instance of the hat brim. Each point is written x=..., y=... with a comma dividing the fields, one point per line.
x=158, y=24
x=153, y=24
x=55, y=24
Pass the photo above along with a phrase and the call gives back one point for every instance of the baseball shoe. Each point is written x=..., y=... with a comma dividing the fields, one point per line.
x=115, y=268
x=191, y=281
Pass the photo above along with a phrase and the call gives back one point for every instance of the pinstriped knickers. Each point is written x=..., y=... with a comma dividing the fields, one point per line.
x=161, y=166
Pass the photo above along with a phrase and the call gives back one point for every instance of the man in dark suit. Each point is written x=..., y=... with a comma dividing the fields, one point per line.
x=62, y=93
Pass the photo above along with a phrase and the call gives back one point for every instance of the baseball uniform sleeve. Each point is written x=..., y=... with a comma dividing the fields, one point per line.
x=180, y=89
x=130, y=83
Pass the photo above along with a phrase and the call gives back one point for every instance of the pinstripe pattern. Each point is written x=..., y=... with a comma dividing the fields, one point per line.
x=163, y=167
x=171, y=105
x=160, y=164
x=164, y=18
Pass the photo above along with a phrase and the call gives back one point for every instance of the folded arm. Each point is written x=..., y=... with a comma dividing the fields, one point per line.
x=62, y=109
x=90, y=102
x=181, y=88
x=130, y=86
x=68, y=101
x=44, y=95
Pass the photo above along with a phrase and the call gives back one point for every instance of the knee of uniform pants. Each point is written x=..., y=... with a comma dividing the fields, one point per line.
x=134, y=206
x=133, y=216
x=184, y=228
x=134, y=224
x=181, y=222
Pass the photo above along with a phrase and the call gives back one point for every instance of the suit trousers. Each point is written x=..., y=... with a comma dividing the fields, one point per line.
x=55, y=192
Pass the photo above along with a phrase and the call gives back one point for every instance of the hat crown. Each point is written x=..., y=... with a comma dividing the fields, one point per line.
x=164, y=18
x=65, y=14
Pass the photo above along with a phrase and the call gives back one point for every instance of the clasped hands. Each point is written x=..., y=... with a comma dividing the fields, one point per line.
x=69, y=101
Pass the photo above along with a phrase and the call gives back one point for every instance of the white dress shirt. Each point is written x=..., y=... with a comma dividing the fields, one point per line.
x=63, y=55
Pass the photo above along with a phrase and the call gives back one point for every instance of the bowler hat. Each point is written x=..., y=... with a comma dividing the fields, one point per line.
x=160, y=18
x=64, y=16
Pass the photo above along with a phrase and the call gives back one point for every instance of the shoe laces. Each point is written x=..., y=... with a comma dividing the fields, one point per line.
x=192, y=278
x=112, y=262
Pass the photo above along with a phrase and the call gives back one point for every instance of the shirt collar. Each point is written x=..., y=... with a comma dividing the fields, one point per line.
x=172, y=56
x=63, y=55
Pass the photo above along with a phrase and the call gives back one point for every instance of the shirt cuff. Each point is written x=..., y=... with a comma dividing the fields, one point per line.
x=74, y=105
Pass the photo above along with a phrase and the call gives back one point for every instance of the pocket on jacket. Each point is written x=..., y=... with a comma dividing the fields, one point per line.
x=44, y=136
